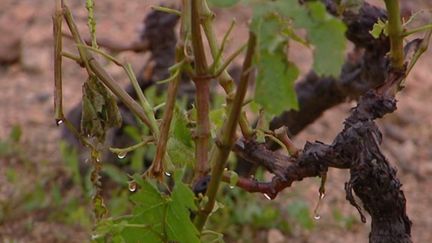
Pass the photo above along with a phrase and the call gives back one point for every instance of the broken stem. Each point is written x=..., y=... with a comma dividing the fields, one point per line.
x=58, y=96
x=93, y=66
x=282, y=134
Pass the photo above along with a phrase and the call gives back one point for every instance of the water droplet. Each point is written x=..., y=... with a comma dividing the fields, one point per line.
x=98, y=159
x=317, y=207
x=226, y=169
x=267, y=196
x=59, y=122
x=121, y=155
x=231, y=187
x=95, y=236
x=132, y=186
x=167, y=174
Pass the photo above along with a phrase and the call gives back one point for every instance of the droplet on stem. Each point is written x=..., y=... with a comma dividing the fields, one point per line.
x=267, y=196
x=121, y=155
x=132, y=186
x=322, y=195
x=316, y=215
x=59, y=122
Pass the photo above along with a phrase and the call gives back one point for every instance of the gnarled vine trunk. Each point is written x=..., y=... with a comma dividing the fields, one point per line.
x=356, y=148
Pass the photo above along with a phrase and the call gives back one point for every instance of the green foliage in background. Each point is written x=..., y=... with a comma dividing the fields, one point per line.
x=275, y=24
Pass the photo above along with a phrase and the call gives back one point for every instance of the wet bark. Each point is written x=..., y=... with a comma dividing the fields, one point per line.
x=357, y=148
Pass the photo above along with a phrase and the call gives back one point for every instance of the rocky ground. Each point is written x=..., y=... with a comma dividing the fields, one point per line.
x=26, y=84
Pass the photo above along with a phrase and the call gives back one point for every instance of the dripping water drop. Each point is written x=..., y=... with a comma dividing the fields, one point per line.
x=132, y=186
x=267, y=196
x=121, y=155
x=59, y=122
x=322, y=195
x=320, y=198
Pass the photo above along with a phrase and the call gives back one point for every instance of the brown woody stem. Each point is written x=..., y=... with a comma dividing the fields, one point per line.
x=202, y=133
x=157, y=167
x=225, y=80
x=226, y=136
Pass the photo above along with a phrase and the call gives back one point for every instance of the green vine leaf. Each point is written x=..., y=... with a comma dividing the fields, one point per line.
x=217, y=117
x=180, y=148
x=378, y=28
x=272, y=23
x=180, y=127
x=179, y=153
x=179, y=226
x=276, y=75
x=328, y=48
x=325, y=32
x=275, y=83
x=160, y=218
x=147, y=214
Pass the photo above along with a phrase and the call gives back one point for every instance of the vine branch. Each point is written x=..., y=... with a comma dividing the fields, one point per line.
x=395, y=33
x=202, y=132
x=225, y=139
x=93, y=66
x=58, y=45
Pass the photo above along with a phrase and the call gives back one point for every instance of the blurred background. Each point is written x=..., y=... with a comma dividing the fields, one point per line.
x=43, y=198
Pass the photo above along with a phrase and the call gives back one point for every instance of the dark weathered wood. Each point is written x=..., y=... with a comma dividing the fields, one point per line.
x=357, y=148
